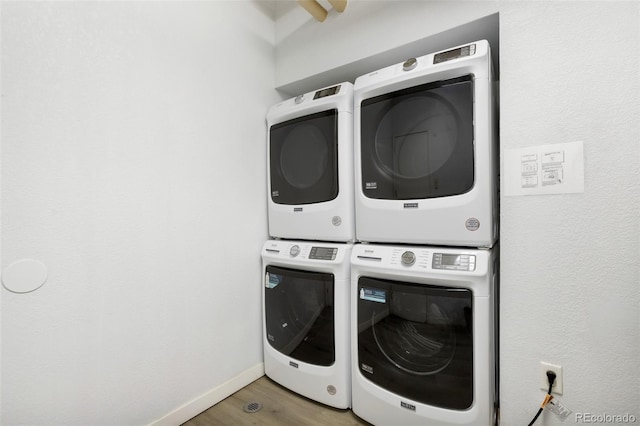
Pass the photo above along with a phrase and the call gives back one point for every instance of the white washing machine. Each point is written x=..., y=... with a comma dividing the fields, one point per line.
x=310, y=166
x=424, y=335
x=306, y=320
x=425, y=151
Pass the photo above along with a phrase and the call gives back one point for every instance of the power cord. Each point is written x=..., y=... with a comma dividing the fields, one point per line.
x=551, y=378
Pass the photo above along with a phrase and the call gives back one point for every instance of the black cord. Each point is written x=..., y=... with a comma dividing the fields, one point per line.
x=536, y=416
x=551, y=377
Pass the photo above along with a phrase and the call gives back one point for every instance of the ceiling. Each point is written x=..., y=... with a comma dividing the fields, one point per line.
x=278, y=8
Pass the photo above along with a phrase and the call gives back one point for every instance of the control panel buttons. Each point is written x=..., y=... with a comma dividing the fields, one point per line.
x=294, y=251
x=454, y=262
x=323, y=253
x=408, y=258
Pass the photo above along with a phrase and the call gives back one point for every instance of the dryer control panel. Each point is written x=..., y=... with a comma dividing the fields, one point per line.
x=454, y=53
x=329, y=91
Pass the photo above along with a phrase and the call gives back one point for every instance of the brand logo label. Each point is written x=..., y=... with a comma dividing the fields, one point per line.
x=297, y=209
x=371, y=185
x=293, y=364
x=472, y=224
x=407, y=406
x=410, y=205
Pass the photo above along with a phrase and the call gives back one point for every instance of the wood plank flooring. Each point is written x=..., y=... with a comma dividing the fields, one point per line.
x=280, y=407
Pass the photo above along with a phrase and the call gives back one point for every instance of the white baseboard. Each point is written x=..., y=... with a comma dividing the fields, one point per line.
x=211, y=398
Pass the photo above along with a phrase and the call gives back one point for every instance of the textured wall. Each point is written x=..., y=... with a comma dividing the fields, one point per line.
x=133, y=168
x=570, y=273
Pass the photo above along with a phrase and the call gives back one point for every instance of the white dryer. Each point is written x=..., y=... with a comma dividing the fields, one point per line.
x=310, y=166
x=423, y=335
x=425, y=151
x=306, y=321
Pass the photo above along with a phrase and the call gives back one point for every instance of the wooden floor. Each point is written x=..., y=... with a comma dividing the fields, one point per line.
x=280, y=406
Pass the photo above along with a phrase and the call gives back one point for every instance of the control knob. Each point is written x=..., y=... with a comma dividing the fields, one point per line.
x=408, y=258
x=409, y=64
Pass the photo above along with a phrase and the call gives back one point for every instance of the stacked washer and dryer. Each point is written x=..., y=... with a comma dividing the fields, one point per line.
x=306, y=319
x=380, y=280
x=424, y=286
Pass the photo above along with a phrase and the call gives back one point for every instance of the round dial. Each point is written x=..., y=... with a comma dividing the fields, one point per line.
x=294, y=251
x=410, y=64
x=408, y=258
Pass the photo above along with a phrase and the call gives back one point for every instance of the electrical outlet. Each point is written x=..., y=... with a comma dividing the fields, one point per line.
x=544, y=381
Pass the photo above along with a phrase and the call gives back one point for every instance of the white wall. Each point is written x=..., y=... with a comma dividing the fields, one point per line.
x=133, y=167
x=570, y=263
x=123, y=125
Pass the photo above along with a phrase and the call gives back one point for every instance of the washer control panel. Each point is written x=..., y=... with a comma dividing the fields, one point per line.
x=456, y=262
x=323, y=253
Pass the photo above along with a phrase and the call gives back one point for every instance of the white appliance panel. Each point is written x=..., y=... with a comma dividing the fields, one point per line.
x=305, y=160
x=442, y=269
x=468, y=218
x=329, y=383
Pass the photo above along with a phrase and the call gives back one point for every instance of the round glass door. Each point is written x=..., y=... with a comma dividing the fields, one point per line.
x=418, y=143
x=299, y=314
x=417, y=341
x=304, y=159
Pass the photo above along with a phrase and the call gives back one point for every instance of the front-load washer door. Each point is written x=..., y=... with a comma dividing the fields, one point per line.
x=417, y=341
x=304, y=159
x=299, y=314
x=417, y=143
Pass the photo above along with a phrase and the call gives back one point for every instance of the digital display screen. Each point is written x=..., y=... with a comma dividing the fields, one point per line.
x=326, y=92
x=323, y=251
x=450, y=259
x=455, y=53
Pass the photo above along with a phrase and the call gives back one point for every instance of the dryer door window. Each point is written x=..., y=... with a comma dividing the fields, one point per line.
x=304, y=159
x=417, y=341
x=299, y=314
x=417, y=143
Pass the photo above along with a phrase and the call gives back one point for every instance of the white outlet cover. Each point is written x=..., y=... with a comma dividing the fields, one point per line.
x=544, y=383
